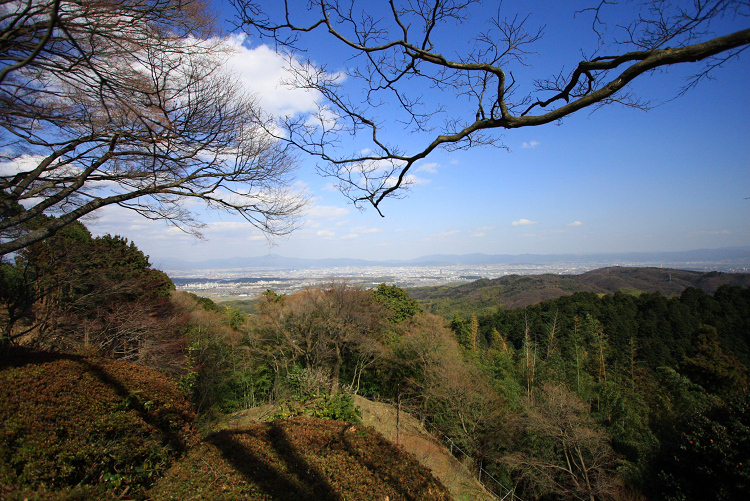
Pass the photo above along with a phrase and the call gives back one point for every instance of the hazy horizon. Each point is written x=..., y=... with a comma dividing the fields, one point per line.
x=722, y=259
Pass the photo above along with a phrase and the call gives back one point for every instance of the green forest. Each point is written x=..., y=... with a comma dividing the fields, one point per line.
x=115, y=385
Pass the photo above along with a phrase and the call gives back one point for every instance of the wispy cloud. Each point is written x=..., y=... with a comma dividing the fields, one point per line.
x=366, y=230
x=409, y=180
x=428, y=167
x=326, y=233
x=446, y=233
x=326, y=212
x=575, y=223
x=524, y=222
x=530, y=144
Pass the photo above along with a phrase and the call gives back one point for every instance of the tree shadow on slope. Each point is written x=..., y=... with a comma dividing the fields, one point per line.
x=286, y=476
x=302, y=458
x=72, y=420
x=392, y=465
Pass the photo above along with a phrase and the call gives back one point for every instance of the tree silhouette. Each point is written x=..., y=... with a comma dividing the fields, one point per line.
x=409, y=57
x=109, y=102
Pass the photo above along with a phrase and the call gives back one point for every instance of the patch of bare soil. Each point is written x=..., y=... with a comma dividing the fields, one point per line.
x=407, y=432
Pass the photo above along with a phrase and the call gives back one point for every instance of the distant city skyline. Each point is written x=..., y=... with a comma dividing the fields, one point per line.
x=223, y=280
x=674, y=178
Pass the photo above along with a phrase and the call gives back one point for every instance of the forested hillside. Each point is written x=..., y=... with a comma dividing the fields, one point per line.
x=108, y=374
x=628, y=395
x=518, y=291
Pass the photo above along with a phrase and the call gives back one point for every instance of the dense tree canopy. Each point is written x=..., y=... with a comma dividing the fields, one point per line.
x=72, y=290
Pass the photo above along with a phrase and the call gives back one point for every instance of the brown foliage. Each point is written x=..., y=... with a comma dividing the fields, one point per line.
x=322, y=328
x=299, y=459
x=71, y=420
x=440, y=384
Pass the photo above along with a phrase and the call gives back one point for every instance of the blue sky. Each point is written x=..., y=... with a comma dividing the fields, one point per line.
x=676, y=177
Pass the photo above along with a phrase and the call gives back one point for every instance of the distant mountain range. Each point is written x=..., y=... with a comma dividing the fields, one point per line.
x=519, y=291
x=737, y=256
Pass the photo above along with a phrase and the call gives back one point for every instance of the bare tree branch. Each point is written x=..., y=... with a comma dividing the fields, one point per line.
x=124, y=102
x=396, y=53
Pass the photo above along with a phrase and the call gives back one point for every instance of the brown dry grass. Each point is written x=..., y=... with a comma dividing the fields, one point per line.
x=73, y=422
x=299, y=459
x=410, y=436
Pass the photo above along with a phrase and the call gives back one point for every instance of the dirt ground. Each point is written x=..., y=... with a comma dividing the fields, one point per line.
x=431, y=452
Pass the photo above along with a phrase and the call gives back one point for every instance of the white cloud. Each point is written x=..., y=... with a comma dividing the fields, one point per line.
x=366, y=230
x=225, y=226
x=446, y=233
x=262, y=72
x=409, y=180
x=350, y=236
x=717, y=232
x=429, y=167
x=326, y=212
x=325, y=233
x=523, y=222
x=22, y=163
x=575, y=223
x=530, y=144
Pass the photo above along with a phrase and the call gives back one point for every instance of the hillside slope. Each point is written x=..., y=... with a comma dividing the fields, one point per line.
x=516, y=291
x=298, y=459
x=407, y=433
x=87, y=426
x=77, y=427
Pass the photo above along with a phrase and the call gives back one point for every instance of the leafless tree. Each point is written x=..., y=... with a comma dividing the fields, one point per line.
x=406, y=55
x=124, y=102
x=325, y=329
x=565, y=455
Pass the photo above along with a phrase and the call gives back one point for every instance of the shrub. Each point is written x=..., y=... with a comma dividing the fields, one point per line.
x=75, y=421
x=706, y=455
x=299, y=459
